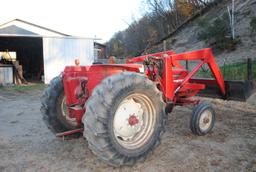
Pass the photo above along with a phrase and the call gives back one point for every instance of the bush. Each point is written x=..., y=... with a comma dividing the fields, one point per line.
x=218, y=33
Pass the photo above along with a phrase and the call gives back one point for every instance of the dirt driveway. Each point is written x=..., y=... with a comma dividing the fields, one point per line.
x=27, y=145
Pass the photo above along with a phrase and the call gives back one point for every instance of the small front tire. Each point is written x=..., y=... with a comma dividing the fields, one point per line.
x=203, y=119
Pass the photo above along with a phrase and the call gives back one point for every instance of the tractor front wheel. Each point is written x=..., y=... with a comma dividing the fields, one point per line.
x=203, y=119
x=124, y=118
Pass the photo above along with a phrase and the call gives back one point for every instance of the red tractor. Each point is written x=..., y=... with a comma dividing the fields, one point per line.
x=122, y=108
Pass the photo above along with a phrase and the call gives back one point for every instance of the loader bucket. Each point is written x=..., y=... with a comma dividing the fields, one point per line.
x=235, y=90
x=240, y=90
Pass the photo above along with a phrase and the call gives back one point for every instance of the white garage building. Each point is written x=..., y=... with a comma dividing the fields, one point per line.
x=42, y=52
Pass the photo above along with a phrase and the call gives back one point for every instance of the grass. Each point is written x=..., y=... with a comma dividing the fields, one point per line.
x=236, y=71
x=23, y=88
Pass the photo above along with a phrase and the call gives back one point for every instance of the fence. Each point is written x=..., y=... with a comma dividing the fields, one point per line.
x=243, y=69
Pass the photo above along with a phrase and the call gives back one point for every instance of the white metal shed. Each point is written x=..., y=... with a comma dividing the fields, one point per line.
x=36, y=44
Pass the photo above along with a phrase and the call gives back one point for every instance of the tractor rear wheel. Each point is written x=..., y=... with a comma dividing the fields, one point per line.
x=124, y=118
x=54, y=109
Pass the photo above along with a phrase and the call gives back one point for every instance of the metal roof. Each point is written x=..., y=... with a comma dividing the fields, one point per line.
x=15, y=30
x=15, y=21
x=21, y=28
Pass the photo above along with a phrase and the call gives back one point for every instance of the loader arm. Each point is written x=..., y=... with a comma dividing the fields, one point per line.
x=206, y=56
x=178, y=84
x=175, y=81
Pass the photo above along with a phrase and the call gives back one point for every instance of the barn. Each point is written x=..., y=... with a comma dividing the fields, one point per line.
x=42, y=52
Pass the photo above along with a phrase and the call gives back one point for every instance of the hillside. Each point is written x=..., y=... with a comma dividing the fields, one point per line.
x=186, y=38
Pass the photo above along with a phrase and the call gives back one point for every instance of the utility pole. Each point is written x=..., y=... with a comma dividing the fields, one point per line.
x=232, y=18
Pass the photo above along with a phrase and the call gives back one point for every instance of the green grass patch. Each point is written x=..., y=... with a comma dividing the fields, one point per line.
x=23, y=88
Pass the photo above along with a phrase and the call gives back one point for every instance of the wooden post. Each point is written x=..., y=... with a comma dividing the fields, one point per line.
x=187, y=64
x=249, y=69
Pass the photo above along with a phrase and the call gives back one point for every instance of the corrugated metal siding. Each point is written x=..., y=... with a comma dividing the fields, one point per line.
x=61, y=52
x=6, y=75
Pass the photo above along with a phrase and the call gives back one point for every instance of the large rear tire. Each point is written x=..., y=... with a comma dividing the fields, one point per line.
x=124, y=119
x=54, y=109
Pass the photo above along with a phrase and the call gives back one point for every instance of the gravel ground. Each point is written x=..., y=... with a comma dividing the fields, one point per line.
x=27, y=145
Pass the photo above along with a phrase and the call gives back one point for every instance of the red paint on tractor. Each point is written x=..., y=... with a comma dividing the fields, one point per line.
x=73, y=76
x=66, y=133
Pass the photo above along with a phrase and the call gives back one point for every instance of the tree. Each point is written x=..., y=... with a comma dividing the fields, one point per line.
x=161, y=18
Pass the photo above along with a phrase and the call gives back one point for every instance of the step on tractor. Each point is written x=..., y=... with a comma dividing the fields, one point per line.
x=122, y=109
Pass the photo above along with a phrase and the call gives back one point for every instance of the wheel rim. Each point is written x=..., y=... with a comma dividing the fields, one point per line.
x=65, y=114
x=205, y=120
x=134, y=121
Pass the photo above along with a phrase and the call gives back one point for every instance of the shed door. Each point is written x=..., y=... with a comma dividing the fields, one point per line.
x=61, y=52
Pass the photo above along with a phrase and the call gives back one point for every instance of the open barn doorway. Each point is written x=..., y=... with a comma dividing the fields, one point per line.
x=29, y=54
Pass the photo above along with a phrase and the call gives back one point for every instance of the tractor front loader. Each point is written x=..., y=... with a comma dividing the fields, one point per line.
x=122, y=108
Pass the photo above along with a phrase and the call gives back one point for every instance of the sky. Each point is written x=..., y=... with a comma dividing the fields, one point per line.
x=85, y=18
